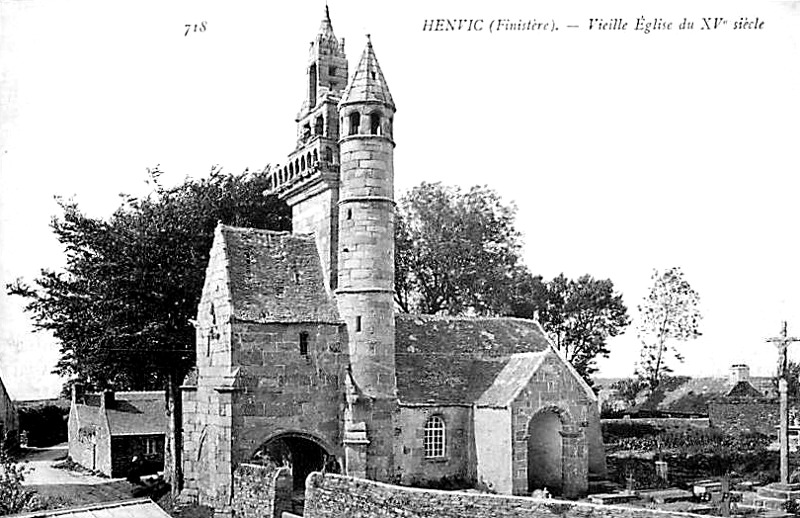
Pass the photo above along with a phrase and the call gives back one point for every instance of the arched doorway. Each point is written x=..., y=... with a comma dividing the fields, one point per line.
x=545, y=464
x=301, y=453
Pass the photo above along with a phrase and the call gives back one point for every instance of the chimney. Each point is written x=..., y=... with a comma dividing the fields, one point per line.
x=77, y=393
x=739, y=372
x=108, y=399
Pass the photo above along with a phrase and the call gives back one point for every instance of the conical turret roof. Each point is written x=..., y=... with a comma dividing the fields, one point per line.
x=368, y=83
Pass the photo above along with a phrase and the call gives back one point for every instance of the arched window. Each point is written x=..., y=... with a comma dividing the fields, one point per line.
x=291, y=170
x=318, y=126
x=375, y=123
x=355, y=121
x=302, y=163
x=297, y=166
x=316, y=156
x=328, y=155
x=308, y=159
x=433, y=437
x=312, y=85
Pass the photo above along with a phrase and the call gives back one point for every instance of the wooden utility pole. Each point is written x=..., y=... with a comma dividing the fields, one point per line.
x=782, y=342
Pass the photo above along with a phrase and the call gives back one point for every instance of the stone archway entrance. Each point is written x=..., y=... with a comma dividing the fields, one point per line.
x=303, y=455
x=545, y=452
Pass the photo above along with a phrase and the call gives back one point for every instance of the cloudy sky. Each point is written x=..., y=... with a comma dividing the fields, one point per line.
x=624, y=151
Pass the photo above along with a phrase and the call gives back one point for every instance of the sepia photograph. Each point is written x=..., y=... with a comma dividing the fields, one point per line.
x=372, y=259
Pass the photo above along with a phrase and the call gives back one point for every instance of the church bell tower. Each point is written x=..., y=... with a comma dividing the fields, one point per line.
x=309, y=181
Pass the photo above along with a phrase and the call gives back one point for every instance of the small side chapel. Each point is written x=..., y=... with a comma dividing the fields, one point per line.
x=302, y=359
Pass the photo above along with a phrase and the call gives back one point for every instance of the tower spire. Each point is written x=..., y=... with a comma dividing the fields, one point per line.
x=326, y=27
x=368, y=83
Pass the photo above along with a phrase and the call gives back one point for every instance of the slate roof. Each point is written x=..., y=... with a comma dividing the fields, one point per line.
x=137, y=413
x=744, y=390
x=276, y=277
x=132, y=413
x=454, y=360
x=138, y=508
x=511, y=380
x=368, y=83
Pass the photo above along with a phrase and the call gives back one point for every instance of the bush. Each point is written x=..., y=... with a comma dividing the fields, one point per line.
x=13, y=496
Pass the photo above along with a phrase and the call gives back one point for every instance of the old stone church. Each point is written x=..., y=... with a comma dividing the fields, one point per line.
x=302, y=359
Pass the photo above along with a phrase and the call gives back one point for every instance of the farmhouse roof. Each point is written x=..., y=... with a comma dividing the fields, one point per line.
x=137, y=413
x=744, y=390
x=275, y=277
x=131, y=413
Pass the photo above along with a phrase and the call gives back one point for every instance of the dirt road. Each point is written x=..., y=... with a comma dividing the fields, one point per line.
x=40, y=471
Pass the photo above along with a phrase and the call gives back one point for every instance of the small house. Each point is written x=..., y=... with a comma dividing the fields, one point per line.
x=113, y=433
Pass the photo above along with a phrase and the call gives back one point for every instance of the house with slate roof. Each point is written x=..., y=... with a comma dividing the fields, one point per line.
x=302, y=361
x=108, y=430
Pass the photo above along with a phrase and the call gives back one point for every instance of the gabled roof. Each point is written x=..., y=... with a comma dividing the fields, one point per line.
x=454, y=360
x=275, y=277
x=137, y=413
x=511, y=380
x=368, y=83
x=131, y=413
x=744, y=390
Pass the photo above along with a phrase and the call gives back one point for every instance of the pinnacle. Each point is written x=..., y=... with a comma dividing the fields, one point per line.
x=326, y=27
x=368, y=83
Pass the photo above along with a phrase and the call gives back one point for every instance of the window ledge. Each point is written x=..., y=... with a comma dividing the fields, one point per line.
x=436, y=460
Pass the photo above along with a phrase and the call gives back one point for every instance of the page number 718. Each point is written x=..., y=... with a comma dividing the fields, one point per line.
x=195, y=27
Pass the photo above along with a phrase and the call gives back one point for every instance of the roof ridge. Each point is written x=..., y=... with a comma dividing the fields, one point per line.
x=232, y=228
x=476, y=318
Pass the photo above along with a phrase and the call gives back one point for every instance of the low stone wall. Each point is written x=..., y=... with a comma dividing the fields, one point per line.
x=261, y=491
x=664, y=422
x=336, y=496
x=738, y=418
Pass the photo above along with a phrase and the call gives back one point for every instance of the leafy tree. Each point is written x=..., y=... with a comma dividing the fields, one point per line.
x=122, y=307
x=668, y=314
x=580, y=316
x=457, y=251
x=13, y=496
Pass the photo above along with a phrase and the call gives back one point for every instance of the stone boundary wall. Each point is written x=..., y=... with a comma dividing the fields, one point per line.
x=337, y=496
x=739, y=418
x=664, y=422
x=261, y=491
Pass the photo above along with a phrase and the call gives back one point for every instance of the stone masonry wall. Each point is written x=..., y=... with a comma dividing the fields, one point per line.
x=261, y=491
x=335, y=496
x=207, y=420
x=553, y=388
x=457, y=467
x=318, y=215
x=738, y=418
x=285, y=391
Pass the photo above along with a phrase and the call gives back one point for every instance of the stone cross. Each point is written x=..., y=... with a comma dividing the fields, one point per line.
x=782, y=342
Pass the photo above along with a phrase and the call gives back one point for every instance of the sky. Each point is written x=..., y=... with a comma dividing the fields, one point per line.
x=624, y=151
